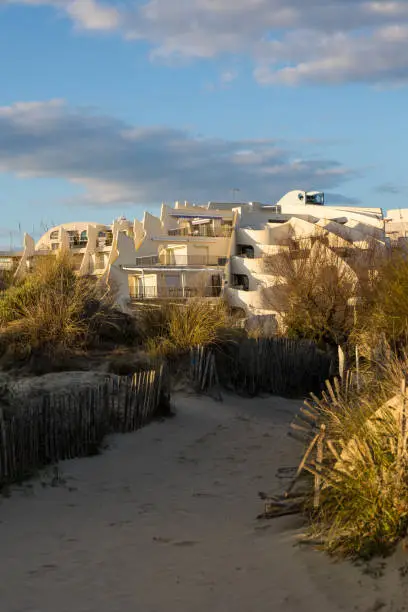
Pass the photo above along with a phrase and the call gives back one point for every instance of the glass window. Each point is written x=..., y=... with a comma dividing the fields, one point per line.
x=315, y=198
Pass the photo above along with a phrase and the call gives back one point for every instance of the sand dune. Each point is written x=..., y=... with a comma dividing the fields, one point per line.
x=165, y=521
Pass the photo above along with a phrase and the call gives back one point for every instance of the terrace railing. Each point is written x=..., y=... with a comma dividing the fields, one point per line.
x=182, y=260
x=203, y=231
x=180, y=293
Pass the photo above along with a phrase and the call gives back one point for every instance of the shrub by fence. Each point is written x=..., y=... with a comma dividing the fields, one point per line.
x=61, y=426
x=279, y=366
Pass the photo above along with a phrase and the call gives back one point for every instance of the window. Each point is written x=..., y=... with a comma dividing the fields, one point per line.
x=55, y=246
x=216, y=285
x=315, y=198
x=54, y=235
x=6, y=263
x=246, y=250
x=241, y=281
x=73, y=237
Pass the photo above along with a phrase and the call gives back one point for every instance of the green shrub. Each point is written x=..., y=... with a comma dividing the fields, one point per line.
x=175, y=328
x=385, y=308
x=54, y=311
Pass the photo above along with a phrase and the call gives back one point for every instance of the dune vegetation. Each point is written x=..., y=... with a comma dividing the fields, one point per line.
x=363, y=506
x=53, y=312
x=174, y=329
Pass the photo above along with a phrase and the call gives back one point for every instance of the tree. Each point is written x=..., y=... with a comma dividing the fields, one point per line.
x=315, y=285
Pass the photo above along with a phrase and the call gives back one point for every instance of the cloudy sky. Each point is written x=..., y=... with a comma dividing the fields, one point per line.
x=109, y=107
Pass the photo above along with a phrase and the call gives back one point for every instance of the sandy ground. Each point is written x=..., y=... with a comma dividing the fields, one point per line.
x=165, y=520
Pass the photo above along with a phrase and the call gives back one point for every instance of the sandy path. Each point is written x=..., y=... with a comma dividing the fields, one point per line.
x=165, y=521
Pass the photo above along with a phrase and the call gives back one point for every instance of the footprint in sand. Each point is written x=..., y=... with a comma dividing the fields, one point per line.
x=178, y=543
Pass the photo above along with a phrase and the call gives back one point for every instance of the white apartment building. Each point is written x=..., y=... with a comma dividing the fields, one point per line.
x=212, y=250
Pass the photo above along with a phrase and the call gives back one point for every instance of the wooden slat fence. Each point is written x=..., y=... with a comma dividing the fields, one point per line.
x=66, y=425
x=278, y=366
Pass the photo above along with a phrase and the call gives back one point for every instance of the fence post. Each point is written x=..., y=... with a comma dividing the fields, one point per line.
x=342, y=362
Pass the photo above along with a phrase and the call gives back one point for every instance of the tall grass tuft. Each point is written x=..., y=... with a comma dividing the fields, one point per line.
x=54, y=311
x=175, y=328
x=363, y=507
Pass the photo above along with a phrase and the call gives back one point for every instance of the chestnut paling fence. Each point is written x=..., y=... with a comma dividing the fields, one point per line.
x=66, y=425
x=280, y=366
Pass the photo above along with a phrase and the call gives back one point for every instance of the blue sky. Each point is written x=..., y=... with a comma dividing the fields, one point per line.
x=110, y=107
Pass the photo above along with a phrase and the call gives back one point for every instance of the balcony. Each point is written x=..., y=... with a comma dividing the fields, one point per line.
x=178, y=293
x=203, y=232
x=181, y=260
x=78, y=244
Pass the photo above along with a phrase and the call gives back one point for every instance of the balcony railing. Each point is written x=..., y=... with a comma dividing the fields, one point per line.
x=103, y=242
x=203, y=231
x=78, y=244
x=147, y=293
x=181, y=260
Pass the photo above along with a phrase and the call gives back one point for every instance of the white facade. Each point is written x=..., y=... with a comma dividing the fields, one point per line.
x=396, y=226
x=92, y=246
x=267, y=229
x=210, y=250
x=182, y=253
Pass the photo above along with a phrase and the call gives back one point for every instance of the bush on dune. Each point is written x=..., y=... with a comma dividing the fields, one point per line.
x=6, y=279
x=175, y=328
x=385, y=312
x=54, y=311
x=363, y=507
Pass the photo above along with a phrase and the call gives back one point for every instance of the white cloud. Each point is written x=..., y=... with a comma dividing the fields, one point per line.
x=93, y=16
x=118, y=163
x=86, y=14
x=290, y=41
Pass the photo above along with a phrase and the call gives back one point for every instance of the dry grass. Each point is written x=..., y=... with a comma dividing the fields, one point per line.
x=364, y=502
x=385, y=314
x=175, y=328
x=315, y=285
x=6, y=279
x=54, y=311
